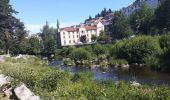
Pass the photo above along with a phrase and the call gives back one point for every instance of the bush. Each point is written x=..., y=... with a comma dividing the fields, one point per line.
x=165, y=41
x=80, y=54
x=99, y=49
x=114, y=51
x=153, y=62
x=165, y=60
x=136, y=49
x=117, y=62
x=68, y=61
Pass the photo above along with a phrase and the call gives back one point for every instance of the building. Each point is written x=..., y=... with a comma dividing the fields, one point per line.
x=137, y=4
x=71, y=35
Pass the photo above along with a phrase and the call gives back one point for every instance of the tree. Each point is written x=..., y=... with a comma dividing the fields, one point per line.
x=93, y=38
x=90, y=18
x=48, y=40
x=58, y=35
x=8, y=24
x=120, y=27
x=83, y=39
x=103, y=38
x=104, y=12
x=163, y=16
x=142, y=20
x=34, y=45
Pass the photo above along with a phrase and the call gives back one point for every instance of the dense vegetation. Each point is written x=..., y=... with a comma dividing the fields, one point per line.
x=51, y=83
x=142, y=38
x=147, y=50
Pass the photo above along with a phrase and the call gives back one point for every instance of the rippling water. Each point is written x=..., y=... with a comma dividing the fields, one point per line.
x=142, y=75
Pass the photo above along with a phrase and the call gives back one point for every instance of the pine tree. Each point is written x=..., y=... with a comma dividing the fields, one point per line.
x=9, y=25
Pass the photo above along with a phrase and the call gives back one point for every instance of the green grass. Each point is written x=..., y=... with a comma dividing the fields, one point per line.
x=53, y=84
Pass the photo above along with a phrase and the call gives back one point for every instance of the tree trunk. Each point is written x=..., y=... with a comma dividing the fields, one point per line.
x=7, y=49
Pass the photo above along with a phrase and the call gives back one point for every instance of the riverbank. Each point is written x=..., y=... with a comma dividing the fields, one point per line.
x=51, y=83
x=151, y=51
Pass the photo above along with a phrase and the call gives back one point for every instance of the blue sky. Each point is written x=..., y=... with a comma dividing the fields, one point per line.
x=34, y=13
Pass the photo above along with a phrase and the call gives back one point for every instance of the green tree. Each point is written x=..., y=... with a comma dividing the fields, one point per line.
x=58, y=35
x=163, y=16
x=48, y=40
x=9, y=25
x=93, y=38
x=34, y=45
x=83, y=39
x=142, y=20
x=103, y=38
x=120, y=26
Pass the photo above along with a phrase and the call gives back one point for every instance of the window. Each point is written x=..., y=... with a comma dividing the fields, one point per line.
x=74, y=41
x=64, y=42
x=69, y=36
x=73, y=36
x=63, y=33
x=82, y=31
x=77, y=36
x=69, y=41
x=64, y=37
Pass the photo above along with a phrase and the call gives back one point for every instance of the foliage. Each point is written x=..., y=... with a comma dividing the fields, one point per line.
x=48, y=40
x=52, y=84
x=117, y=62
x=99, y=49
x=153, y=62
x=103, y=38
x=142, y=20
x=165, y=41
x=163, y=16
x=120, y=26
x=80, y=54
x=165, y=60
x=83, y=39
x=93, y=38
x=11, y=29
x=136, y=49
x=34, y=45
x=68, y=61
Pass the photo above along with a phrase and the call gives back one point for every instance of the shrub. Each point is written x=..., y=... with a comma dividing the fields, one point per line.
x=153, y=62
x=80, y=54
x=136, y=49
x=99, y=49
x=68, y=61
x=117, y=62
x=165, y=41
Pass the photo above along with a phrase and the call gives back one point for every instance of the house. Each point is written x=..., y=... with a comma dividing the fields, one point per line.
x=71, y=35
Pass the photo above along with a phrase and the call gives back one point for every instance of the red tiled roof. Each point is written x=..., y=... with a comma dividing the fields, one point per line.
x=90, y=27
x=70, y=29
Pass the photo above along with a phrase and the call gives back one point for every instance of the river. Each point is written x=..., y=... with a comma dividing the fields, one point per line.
x=142, y=75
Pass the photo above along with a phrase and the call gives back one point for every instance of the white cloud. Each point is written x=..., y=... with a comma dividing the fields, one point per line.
x=35, y=28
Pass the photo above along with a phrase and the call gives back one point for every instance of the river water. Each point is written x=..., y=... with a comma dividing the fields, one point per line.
x=142, y=75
